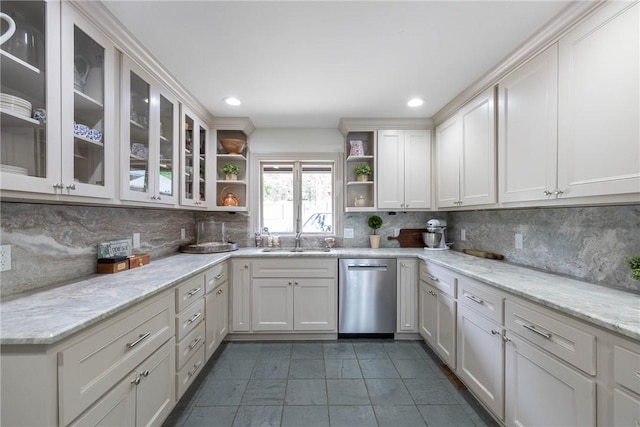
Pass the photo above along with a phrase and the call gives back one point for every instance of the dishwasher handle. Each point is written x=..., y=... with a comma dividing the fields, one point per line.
x=376, y=267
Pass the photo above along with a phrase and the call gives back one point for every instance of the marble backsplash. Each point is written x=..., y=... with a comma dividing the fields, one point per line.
x=590, y=243
x=53, y=244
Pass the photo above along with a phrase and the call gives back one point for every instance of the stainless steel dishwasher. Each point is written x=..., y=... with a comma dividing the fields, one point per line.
x=367, y=297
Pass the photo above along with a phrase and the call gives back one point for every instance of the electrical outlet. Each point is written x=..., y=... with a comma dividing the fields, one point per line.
x=463, y=234
x=5, y=257
x=136, y=240
x=183, y=234
x=519, y=241
x=348, y=233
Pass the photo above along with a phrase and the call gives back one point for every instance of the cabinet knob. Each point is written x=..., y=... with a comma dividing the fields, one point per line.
x=547, y=192
x=289, y=283
x=406, y=206
x=296, y=283
x=58, y=185
x=558, y=192
x=145, y=373
x=506, y=339
x=158, y=198
x=71, y=187
x=136, y=381
x=494, y=332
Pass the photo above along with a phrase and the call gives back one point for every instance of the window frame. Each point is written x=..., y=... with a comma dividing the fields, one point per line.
x=256, y=186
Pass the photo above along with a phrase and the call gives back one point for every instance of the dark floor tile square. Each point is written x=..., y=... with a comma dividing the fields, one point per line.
x=342, y=368
x=264, y=392
x=211, y=416
x=305, y=416
x=352, y=416
x=415, y=368
x=388, y=392
x=339, y=350
x=370, y=350
x=275, y=350
x=233, y=369
x=241, y=350
x=402, y=350
x=258, y=416
x=307, y=350
x=430, y=392
x=306, y=392
x=347, y=392
x=306, y=368
x=398, y=416
x=221, y=392
x=445, y=416
x=271, y=368
x=378, y=368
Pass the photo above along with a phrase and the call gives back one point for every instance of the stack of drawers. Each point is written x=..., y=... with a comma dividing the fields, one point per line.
x=190, y=332
x=217, y=307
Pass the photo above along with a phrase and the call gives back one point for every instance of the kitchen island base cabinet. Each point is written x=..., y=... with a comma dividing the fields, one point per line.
x=542, y=391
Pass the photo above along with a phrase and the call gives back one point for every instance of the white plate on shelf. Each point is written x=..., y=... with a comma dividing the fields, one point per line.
x=13, y=169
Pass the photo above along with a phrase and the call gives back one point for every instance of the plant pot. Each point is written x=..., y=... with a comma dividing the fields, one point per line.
x=362, y=178
x=375, y=241
x=231, y=177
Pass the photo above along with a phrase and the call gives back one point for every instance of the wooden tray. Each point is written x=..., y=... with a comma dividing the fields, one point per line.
x=410, y=237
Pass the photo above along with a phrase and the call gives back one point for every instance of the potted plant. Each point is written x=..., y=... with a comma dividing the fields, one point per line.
x=634, y=264
x=374, y=223
x=362, y=172
x=231, y=171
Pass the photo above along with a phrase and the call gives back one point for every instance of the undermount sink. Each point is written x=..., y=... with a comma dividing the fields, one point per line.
x=302, y=250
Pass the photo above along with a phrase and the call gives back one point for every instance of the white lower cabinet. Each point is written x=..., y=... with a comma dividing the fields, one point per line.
x=438, y=322
x=407, y=295
x=240, y=295
x=542, y=391
x=626, y=409
x=217, y=319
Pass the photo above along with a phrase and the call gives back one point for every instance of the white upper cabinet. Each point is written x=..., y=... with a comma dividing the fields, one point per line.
x=195, y=170
x=528, y=130
x=404, y=169
x=149, y=153
x=599, y=104
x=465, y=155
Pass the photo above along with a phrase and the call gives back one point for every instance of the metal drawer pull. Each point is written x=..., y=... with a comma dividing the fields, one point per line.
x=435, y=279
x=138, y=341
x=193, y=291
x=494, y=332
x=195, y=342
x=136, y=381
x=145, y=373
x=219, y=291
x=218, y=277
x=195, y=368
x=638, y=374
x=474, y=298
x=505, y=338
x=532, y=328
x=193, y=318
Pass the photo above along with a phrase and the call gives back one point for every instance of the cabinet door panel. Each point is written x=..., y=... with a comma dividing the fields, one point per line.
x=155, y=393
x=528, y=129
x=626, y=409
x=390, y=174
x=428, y=310
x=445, y=340
x=478, y=164
x=448, y=143
x=272, y=304
x=599, y=104
x=314, y=304
x=542, y=391
x=417, y=170
x=222, y=311
x=241, y=296
x=407, y=295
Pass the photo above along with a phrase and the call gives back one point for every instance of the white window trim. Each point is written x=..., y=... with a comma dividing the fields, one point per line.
x=338, y=200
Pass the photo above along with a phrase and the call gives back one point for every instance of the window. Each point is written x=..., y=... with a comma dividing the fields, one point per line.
x=297, y=195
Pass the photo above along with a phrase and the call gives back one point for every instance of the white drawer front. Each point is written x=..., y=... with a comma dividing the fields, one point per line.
x=567, y=342
x=189, y=371
x=626, y=410
x=626, y=368
x=439, y=277
x=189, y=345
x=189, y=292
x=215, y=276
x=479, y=298
x=189, y=319
x=92, y=366
x=295, y=267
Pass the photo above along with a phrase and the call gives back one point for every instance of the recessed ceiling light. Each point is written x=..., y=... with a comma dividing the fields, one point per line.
x=415, y=102
x=232, y=101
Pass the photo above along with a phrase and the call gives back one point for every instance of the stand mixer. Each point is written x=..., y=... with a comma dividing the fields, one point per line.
x=435, y=238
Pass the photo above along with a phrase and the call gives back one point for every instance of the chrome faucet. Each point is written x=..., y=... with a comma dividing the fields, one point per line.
x=298, y=234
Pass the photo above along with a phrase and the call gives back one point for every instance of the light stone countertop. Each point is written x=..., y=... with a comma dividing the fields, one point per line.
x=49, y=316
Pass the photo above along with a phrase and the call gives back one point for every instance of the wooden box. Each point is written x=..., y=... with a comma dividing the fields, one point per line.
x=110, y=268
x=139, y=260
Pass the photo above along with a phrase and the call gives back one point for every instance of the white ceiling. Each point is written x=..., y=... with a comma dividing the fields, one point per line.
x=308, y=63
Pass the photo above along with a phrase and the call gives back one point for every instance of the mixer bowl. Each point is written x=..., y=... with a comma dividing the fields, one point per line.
x=432, y=240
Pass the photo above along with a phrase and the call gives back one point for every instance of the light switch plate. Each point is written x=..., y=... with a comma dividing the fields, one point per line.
x=5, y=257
x=348, y=233
x=136, y=240
x=519, y=241
x=463, y=234
x=183, y=234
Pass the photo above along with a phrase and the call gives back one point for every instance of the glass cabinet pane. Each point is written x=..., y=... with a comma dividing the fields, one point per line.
x=166, y=147
x=203, y=162
x=23, y=90
x=139, y=134
x=88, y=110
x=188, y=158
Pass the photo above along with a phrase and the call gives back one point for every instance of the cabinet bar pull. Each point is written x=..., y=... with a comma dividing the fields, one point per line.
x=195, y=368
x=218, y=277
x=193, y=318
x=474, y=298
x=638, y=374
x=193, y=291
x=219, y=292
x=138, y=341
x=195, y=342
x=532, y=328
x=435, y=279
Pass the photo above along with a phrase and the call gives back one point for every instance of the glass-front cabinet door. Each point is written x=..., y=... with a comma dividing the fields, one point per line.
x=195, y=173
x=149, y=138
x=87, y=109
x=30, y=96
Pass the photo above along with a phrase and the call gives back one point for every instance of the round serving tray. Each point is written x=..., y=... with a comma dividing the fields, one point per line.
x=209, y=248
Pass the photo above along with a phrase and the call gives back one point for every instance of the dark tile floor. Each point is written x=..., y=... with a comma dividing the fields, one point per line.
x=331, y=383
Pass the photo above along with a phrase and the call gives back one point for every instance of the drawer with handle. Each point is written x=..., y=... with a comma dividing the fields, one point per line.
x=102, y=356
x=189, y=345
x=438, y=277
x=554, y=333
x=215, y=275
x=189, y=319
x=479, y=298
x=189, y=371
x=626, y=367
x=189, y=292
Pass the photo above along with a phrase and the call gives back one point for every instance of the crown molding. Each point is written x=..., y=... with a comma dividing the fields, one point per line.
x=243, y=124
x=550, y=33
x=347, y=125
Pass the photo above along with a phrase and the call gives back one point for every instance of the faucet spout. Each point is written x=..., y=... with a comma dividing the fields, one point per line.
x=298, y=233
